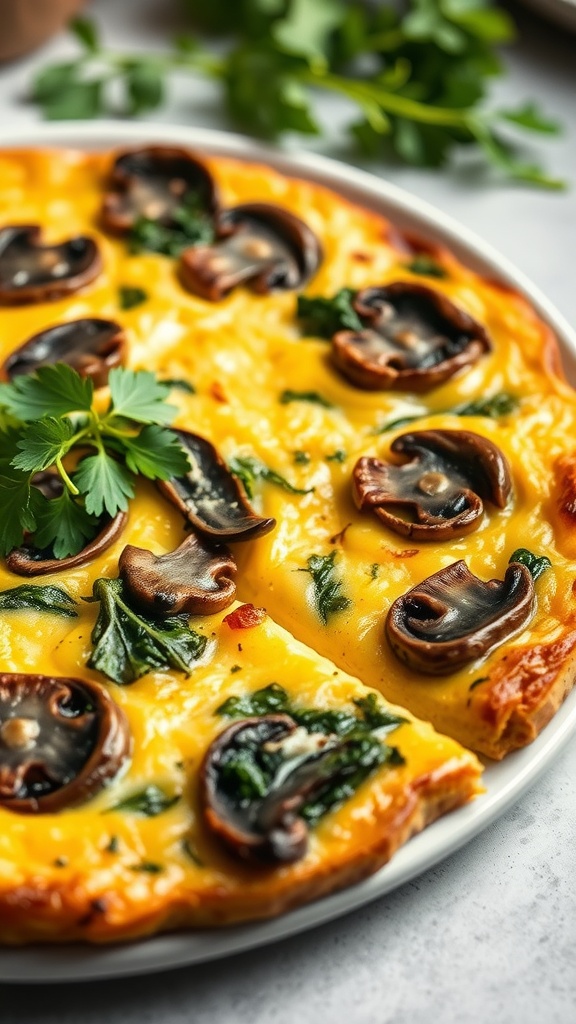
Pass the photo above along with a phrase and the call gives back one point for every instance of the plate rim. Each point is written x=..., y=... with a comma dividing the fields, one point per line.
x=506, y=781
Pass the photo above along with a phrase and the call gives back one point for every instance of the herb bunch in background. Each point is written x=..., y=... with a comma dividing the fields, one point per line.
x=50, y=422
x=415, y=75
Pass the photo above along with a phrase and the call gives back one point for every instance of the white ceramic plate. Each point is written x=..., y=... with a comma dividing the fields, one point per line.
x=505, y=782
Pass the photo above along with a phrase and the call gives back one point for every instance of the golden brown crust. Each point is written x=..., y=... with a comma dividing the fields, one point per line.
x=523, y=692
x=40, y=912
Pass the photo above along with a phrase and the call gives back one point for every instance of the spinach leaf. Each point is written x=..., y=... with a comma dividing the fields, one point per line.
x=288, y=396
x=537, y=565
x=128, y=644
x=323, y=317
x=249, y=470
x=148, y=802
x=40, y=599
x=328, y=593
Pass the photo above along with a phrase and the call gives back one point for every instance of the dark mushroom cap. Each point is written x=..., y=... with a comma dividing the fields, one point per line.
x=152, y=182
x=415, y=339
x=452, y=617
x=265, y=828
x=61, y=741
x=196, y=578
x=29, y=561
x=262, y=245
x=210, y=497
x=32, y=272
x=438, y=493
x=91, y=346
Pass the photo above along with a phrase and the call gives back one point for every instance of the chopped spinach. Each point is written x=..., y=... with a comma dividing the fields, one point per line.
x=301, y=458
x=38, y=598
x=426, y=266
x=148, y=802
x=249, y=773
x=128, y=644
x=536, y=564
x=148, y=866
x=338, y=456
x=191, y=226
x=327, y=590
x=179, y=384
x=131, y=296
x=274, y=699
x=500, y=404
x=249, y=470
x=323, y=317
x=314, y=397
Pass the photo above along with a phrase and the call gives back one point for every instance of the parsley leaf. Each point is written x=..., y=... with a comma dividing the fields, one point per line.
x=38, y=598
x=55, y=390
x=139, y=395
x=328, y=593
x=55, y=417
x=63, y=525
x=426, y=266
x=105, y=484
x=42, y=443
x=155, y=453
x=127, y=644
x=416, y=76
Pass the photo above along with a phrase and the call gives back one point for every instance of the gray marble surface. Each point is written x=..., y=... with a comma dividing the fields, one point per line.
x=490, y=934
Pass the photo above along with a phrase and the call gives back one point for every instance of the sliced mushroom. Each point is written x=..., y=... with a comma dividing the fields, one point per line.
x=263, y=245
x=61, y=741
x=210, y=497
x=153, y=182
x=32, y=272
x=268, y=826
x=30, y=561
x=91, y=346
x=453, y=617
x=196, y=578
x=414, y=339
x=438, y=493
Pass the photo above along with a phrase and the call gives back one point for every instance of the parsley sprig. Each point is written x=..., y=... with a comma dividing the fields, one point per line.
x=416, y=74
x=55, y=425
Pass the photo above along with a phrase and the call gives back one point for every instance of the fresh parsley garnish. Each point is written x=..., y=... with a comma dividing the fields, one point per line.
x=314, y=397
x=97, y=455
x=127, y=644
x=148, y=802
x=322, y=317
x=130, y=296
x=301, y=458
x=537, y=564
x=249, y=470
x=415, y=75
x=328, y=593
x=39, y=599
